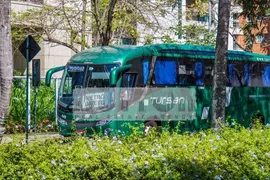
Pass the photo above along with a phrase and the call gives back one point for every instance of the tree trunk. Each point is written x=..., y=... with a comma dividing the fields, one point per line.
x=6, y=64
x=220, y=65
x=106, y=36
x=83, y=41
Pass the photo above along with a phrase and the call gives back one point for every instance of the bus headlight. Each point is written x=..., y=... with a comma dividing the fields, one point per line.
x=62, y=121
x=103, y=122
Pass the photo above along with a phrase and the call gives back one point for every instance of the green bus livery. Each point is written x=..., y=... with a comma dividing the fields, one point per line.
x=104, y=88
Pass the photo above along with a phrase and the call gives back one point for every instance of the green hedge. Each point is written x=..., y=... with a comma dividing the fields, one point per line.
x=237, y=153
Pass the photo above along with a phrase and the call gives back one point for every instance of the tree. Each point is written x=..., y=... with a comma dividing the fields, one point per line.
x=257, y=12
x=6, y=65
x=69, y=22
x=220, y=65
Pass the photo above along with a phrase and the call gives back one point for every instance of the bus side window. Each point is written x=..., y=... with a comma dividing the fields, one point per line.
x=186, y=73
x=191, y=73
x=235, y=74
x=145, y=67
x=141, y=67
x=129, y=79
x=198, y=69
x=266, y=76
x=208, y=72
x=256, y=74
x=165, y=72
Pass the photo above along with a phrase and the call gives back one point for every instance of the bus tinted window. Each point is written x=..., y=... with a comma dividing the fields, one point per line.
x=165, y=72
x=235, y=74
x=140, y=66
x=266, y=75
x=145, y=65
x=191, y=73
x=255, y=73
x=208, y=72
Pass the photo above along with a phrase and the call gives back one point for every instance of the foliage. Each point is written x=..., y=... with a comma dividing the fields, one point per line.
x=257, y=13
x=17, y=112
x=196, y=34
x=227, y=154
x=68, y=23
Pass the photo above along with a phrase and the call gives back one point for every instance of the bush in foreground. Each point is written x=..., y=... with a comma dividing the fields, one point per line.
x=227, y=154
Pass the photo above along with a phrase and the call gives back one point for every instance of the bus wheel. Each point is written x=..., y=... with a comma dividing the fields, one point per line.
x=148, y=126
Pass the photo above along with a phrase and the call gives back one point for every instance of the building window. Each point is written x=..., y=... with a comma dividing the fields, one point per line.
x=236, y=20
x=259, y=38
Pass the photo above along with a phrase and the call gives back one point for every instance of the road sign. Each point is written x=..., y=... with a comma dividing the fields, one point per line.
x=29, y=48
x=31, y=45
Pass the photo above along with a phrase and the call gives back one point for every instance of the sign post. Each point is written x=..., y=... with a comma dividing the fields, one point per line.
x=35, y=84
x=29, y=48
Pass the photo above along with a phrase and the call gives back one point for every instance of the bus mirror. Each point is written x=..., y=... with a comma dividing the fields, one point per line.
x=115, y=73
x=50, y=72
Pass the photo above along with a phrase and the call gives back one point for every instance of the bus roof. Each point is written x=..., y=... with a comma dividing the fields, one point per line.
x=121, y=54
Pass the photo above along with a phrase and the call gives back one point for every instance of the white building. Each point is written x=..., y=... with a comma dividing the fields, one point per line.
x=51, y=54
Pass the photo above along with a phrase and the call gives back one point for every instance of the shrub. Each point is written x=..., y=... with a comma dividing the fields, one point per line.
x=45, y=103
x=227, y=154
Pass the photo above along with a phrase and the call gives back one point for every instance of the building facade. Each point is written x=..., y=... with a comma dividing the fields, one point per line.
x=50, y=55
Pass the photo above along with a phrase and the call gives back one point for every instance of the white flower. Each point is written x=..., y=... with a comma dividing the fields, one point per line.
x=218, y=177
x=164, y=159
x=218, y=137
x=53, y=162
x=267, y=154
x=43, y=177
x=119, y=142
x=86, y=155
x=184, y=145
x=114, y=137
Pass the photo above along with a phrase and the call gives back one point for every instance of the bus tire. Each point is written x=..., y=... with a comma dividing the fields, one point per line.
x=148, y=126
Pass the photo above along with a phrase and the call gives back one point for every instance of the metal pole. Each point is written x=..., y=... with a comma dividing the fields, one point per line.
x=56, y=98
x=35, y=110
x=27, y=88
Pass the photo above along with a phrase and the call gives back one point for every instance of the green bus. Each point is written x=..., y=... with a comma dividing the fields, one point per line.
x=104, y=88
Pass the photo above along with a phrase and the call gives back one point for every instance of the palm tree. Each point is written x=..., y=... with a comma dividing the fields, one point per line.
x=6, y=64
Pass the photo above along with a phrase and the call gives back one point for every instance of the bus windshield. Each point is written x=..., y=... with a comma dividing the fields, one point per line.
x=80, y=86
